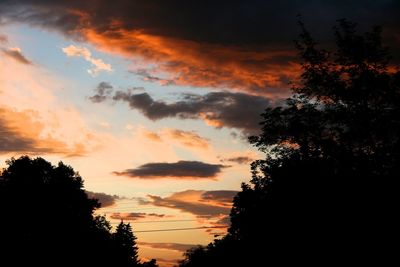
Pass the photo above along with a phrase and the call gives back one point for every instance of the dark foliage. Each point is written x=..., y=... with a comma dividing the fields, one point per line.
x=326, y=192
x=47, y=220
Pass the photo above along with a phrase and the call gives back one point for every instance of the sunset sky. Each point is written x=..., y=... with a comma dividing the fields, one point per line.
x=152, y=101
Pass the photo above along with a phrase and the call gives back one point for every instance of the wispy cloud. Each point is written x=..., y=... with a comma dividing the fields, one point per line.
x=133, y=216
x=169, y=246
x=211, y=208
x=238, y=159
x=16, y=54
x=185, y=138
x=102, y=92
x=33, y=119
x=204, y=204
x=98, y=64
x=3, y=39
x=188, y=138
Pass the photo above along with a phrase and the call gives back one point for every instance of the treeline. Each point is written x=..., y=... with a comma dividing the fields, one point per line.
x=326, y=193
x=47, y=219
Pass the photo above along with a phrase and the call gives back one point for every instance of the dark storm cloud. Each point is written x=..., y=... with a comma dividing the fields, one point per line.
x=227, y=22
x=180, y=170
x=244, y=45
x=105, y=200
x=17, y=55
x=219, y=109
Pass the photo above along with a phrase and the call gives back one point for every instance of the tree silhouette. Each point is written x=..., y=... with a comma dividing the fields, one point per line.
x=47, y=220
x=150, y=263
x=125, y=245
x=325, y=193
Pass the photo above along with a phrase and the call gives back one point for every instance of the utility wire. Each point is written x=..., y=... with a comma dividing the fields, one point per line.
x=135, y=222
x=179, y=229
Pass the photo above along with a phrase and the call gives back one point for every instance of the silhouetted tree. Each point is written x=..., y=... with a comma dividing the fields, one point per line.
x=326, y=191
x=150, y=263
x=47, y=220
x=125, y=245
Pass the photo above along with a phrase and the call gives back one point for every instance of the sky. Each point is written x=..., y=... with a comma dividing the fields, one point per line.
x=152, y=101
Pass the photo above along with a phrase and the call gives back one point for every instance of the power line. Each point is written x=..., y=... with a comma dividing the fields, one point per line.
x=179, y=229
x=133, y=208
x=161, y=221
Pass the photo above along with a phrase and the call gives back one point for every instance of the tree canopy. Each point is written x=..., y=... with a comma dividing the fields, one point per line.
x=48, y=220
x=325, y=193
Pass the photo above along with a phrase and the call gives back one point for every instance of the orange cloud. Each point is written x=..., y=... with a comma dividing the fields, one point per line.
x=33, y=120
x=191, y=63
x=151, y=135
x=211, y=208
x=186, y=138
x=22, y=132
x=169, y=246
x=203, y=204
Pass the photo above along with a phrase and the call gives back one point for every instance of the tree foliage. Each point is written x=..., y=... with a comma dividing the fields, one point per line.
x=326, y=192
x=47, y=219
x=125, y=245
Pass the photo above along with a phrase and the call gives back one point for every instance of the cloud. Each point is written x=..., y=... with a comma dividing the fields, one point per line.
x=186, y=138
x=99, y=65
x=169, y=246
x=204, y=204
x=221, y=197
x=20, y=131
x=11, y=138
x=181, y=169
x=211, y=208
x=106, y=200
x=217, y=109
x=34, y=120
x=16, y=54
x=102, y=92
x=146, y=76
x=229, y=44
x=186, y=63
x=133, y=216
x=239, y=160
x=152, y=135
x=3, y=39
